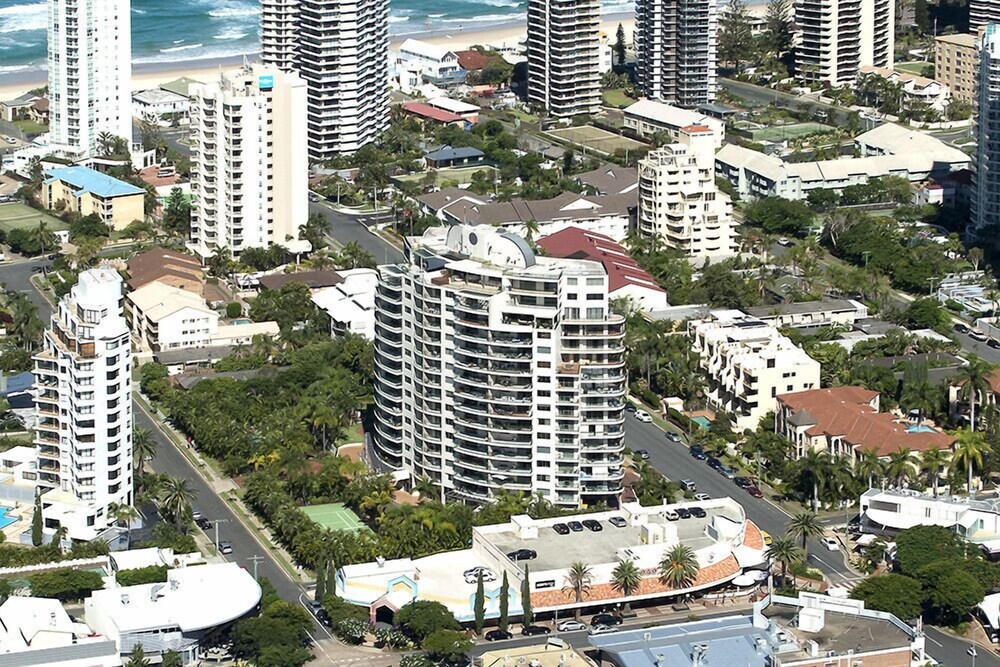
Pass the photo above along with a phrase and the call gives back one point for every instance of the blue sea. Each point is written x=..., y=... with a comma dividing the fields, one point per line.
x=170, y=31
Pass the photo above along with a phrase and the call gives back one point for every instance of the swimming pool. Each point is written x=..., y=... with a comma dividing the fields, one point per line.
x=4, y=519
x=702, y=422
x=242, y=322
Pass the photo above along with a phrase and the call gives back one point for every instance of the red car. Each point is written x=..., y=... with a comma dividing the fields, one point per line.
x=755, y=492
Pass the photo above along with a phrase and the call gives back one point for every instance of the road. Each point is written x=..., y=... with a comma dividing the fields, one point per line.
x=672, y=459
x=762, y=95
x=953, y=652
x=345, y=228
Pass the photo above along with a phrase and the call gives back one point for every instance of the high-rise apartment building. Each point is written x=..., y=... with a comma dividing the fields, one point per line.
x=839, y=37
x=90, y=73
x=985, y=209
x=680, y=203
x=497, y=369
x=982, y=13
x=341, y=49
x=675, y=47
x=956, y=65
x=564, y=56
x=249, y=161
x=83, y=378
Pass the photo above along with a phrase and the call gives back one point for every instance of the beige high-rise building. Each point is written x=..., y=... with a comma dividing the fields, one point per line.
x=956, y=65
x=839, y=37
x=249, y=161
x=680, y=203
x=564, y=56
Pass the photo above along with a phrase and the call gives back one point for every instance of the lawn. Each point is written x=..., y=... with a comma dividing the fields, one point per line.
x=20, y=216
x=30, y=127
x=616, y=98
x=916, y=67
x=792, y=131
x=458, y=176
x=595, y=138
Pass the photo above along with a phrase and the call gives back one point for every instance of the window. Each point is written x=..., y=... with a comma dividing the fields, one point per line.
x=595, y=313
x=595, y=282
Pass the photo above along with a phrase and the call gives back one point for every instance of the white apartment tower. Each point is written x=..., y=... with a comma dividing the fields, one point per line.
x=497, y=369
x=680, y=203
x=985, y=209
x=982, y=13
x=249, y=161
x=83, y=379
x=90, y=73
x=839, y=37
x=564, y=56
x=676, y=50
x=341, y=49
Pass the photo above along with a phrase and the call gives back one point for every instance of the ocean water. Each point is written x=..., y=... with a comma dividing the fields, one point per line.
x=183, y=30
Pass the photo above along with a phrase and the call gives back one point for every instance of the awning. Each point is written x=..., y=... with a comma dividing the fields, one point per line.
x=866, y=539
x=744, y=580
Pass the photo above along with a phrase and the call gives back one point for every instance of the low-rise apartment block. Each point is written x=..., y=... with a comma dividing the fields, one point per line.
x=85, y=191
x=749, y=364
x=956, y=65
x=822, y=313
x=350, y=304
x=887, y=512
x=432, y=63
x=917, y=90
x=648, y=117
x=845, y=421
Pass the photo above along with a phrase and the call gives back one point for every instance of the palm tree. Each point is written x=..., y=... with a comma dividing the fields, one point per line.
x=626, y=579
x=973, y=380
x=815, y=465
x=900, y=467
x=679, y=567
x=375, y=503
x=869, y=465
x=578, y=580
x=530, y=229
x=970, y=448
x=176, y=496
x=42, y=235
x=122, y=514
x=220, y=263
x=427, y=489
x=932, y=461
x=784, y=550
x=803, y=526
x=143, y=447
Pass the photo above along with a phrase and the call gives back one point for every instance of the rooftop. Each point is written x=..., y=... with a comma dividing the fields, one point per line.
x=566, y=207
x=962, y=39
x=610, y=179
x=435, y=201
x=472, y=60
x=36, y=623
x=158, y=96
x=658, y=112
x=449, y=153
x=822, y=306
x=424, y=49
x=311, y=279
x=576, y=243
x=158, y=300
x=180, y=86
x=431, y=113
x=842, y=632
x=454, y=106
x=898, y=140
x=86, y=180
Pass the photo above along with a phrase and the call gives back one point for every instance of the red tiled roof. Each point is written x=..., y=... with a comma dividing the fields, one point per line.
x=576, y=243
x=427, y=111
x=473, y=60
x=845, y=412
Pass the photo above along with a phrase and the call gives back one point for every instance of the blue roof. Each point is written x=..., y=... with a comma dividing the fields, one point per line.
x=16, y=384
x=85, y=179
x=449, y=153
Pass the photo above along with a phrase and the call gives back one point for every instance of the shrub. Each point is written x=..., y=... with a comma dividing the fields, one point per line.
x=65, y=585
x=352, y=630
x=233, y=309
x=154, y=574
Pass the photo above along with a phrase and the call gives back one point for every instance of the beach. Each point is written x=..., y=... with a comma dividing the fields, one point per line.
x=152, y=75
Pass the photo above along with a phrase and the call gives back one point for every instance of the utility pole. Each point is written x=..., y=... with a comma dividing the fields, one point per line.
x=216, y=523
x=255, y=560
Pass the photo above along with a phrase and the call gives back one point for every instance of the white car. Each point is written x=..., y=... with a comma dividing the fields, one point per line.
x=784, y=241
x=571, y=626
x=643, y=416
x=702, y=496
x=603, y=629
x=831, y=543
x=472, y=575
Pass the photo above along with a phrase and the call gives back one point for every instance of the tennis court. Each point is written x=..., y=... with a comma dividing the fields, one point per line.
x=334, y=516
x=21, y=216
x=791, y=131
x=596, y=138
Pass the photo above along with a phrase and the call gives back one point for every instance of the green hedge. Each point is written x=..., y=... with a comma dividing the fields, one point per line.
x=682, y=420
x=154, y=574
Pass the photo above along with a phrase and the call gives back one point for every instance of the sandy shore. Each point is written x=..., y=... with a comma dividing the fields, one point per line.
x=152, y=75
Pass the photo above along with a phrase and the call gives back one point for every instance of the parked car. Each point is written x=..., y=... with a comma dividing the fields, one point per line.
x=670, y=515
x=643, y=416
x=767, y=538
x=642, y=454
x=978, y=335
x=743, y=482
x=698, y=453
x=683, y=512
x=313, y=197
x=961, y=328
x=605, y=619
x=784, y=241
x=575, y=526
x=472, y=574
x=561, y=528
x=571, y=625
x=714, y=463
x=593, y=525
x=204, y=524
x=755, y=492
x=702, y=496
x=602, y=630
x=831, y=543
x=992, y=342
x=726, y=472
x=532, y=630
x=317, y=610
x=618, y=522
x=697, y=512
x=630, y=406
x=689, y=485
x=673, y=437
x=497, y=635
x=225, y=547
x=522, y=554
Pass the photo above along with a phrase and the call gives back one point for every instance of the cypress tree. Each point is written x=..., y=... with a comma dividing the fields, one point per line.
x=36, y=521
x=526, y=613
x=504, y=592
x=480, y=604
x=320, y=583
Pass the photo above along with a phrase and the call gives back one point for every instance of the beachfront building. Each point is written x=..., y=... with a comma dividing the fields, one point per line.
x=90, y=73
x=431, y=63
x=839, y=38
x=88, y=192
x=749, y=364
x=956, y=65
x=725, y=544
x=341, y=50
x=680, y=203
x=497, y=369
x=564, y=53
x=675, y=48
x=985, y=211
x=84, y=408
x=250, y=168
